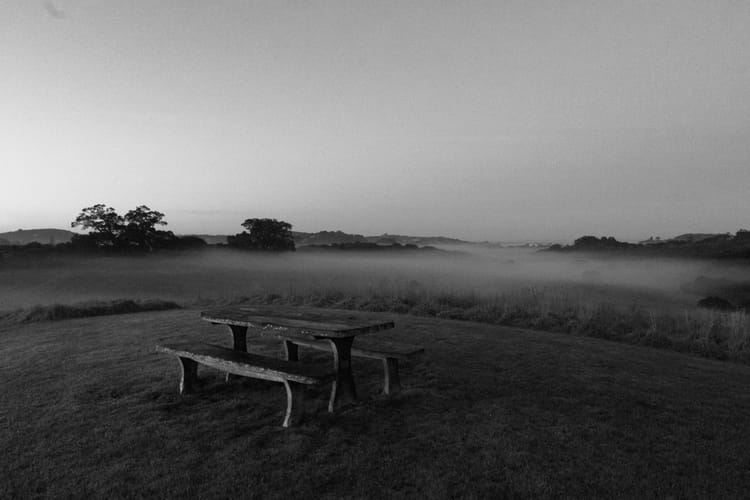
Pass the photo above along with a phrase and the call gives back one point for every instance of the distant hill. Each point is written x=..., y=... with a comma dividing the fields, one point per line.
x=211, y=239
x=696, y=237
x=341, y=238
x=325, y=238
x=716, y=246
x=388, y=239
x=366, y=246
x=43, y=236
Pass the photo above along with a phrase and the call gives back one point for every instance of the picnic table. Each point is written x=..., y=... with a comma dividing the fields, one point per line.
x=333, y=331
x=338, y=330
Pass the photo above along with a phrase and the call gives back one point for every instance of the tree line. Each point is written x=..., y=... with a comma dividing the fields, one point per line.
x=716, y=246
x=138, y=231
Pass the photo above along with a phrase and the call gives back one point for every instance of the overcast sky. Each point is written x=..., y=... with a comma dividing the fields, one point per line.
x=498, y=120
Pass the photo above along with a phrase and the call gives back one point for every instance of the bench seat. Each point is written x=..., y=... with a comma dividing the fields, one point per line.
x=388, y=351
x=294, y=376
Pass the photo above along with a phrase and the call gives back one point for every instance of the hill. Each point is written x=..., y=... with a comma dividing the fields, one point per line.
x=340, y=237
x=211, y=239
x=488, y=412
x=43, y=236
x=364, y=246
x=695, y=237
x=326, y=238
x=690, y=245
x=402, y=239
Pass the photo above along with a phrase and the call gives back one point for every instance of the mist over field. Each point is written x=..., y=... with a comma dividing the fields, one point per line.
x=224, y=275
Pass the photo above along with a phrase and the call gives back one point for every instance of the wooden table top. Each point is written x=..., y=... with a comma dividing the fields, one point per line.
x=317, y=323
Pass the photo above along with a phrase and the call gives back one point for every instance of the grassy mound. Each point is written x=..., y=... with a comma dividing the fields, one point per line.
x=89, y=410
x=86, y=309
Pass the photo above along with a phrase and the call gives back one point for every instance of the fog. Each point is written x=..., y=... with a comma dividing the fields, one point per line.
x=222, y=274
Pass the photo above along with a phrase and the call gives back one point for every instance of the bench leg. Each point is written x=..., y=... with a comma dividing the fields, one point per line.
x=392, y=382
x=296, y=401
x=292, y=350
x=188, y=376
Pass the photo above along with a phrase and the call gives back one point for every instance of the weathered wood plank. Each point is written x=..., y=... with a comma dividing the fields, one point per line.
x=303, y=321
x=363, y=348
x=248, y=364
x=295, y=376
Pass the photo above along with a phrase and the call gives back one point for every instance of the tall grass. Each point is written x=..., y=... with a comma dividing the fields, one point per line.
x=712, y=334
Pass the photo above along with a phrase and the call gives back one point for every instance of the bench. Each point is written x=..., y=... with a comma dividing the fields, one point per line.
x=385, y=350
x=295, y=376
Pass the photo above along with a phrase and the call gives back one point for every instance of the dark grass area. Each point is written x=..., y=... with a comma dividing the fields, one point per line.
x=90, y=410
x=86, y=310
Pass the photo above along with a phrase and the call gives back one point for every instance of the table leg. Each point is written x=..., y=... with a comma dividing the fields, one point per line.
x=343, y=387
x=239, y=340
x=292, y=350
x=239, y=336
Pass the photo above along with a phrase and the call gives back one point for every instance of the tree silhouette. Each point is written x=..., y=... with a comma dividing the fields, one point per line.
x=264, y=234
x=140, y=229
x=135, y=231
x=105, y=223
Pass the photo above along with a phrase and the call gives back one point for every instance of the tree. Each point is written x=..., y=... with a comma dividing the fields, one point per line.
x=264, y=234
x=140, y=228
x=136, y=230
x=105, y=223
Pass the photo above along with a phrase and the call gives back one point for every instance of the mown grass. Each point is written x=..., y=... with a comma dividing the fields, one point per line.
x=89, y=410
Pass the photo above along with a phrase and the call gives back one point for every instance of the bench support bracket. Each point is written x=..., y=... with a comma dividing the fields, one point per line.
x=296, y=401
x=392, y=382
x=188, y=376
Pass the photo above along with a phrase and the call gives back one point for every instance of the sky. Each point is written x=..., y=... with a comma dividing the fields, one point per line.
x=498, y=120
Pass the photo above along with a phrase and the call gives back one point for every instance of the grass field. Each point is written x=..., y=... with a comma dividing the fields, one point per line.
x=89, y=410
